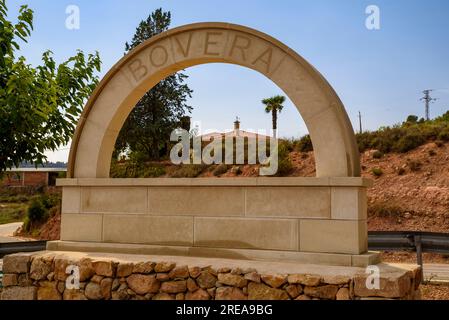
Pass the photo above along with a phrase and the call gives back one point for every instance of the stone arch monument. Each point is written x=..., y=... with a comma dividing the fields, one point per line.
x=320, y=220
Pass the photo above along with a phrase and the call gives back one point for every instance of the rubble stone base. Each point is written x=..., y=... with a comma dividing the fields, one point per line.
x=53, y=276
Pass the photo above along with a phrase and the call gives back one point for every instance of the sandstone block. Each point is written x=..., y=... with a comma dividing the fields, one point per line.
x=194, y=272
x=191, y=285
x=16, y=263
x=174, y=286
x=304, y=279
x=48, y=293
x=181, y=272
x=164, y=266
x=180, y=296
x=389, y=287
x=199, y=294
x=86, y=269
x=211, y=292
x=125, y=269
x=96, y=279
x=24, y=280
x=105, y=286
x=294, y=290
x=19, y=293
x=143, y=267
x=163, y=296
x=336, y=279
x=10, y=280
x=143, y=284
x=274, y=281
x=162, y=277
x=40, y=269
x=253, y=276
x=323, y=292
x=230, y=293
x=259, y=291
x=206, y=280
x=232, y=280
x=343, y=294
x=73, y=295
x=303, y=298
x=93, y=291
x=103, y=268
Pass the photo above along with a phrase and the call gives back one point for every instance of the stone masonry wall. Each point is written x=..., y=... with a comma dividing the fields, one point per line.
x=43, y=277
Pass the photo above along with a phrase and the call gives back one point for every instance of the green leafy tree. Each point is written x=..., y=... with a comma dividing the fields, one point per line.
x=274, y=105
x=162, y=109
x=39, y=106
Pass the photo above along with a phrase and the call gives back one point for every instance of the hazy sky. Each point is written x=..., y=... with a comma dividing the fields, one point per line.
x=379, y=72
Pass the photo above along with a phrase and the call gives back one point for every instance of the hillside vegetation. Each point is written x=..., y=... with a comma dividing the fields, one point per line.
x=409, y=164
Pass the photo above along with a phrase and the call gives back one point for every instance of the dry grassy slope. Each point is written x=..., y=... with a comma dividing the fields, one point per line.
x=414, y=200
x=417, y=199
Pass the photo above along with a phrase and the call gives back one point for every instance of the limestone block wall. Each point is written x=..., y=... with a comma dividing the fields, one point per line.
x=43, y=276
x=319, y=215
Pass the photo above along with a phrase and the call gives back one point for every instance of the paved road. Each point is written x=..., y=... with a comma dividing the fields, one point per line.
x=436, y=272
x=7, y=231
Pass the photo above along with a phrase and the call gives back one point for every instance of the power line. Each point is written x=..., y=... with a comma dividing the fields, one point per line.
x=427, y=101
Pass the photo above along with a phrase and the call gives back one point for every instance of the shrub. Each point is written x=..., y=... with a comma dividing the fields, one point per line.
x=377, y=154
x=414, y=165
x=36, y=213
x=50, y=200
x=444, y=135
x=237, y=170
x=412, y=119
x=405, y=137
x=221, y=169
x=386, y=210
x=305, y=144
x=153, y=172
x=377, y=172
x=189, y=171
x=409, y=142
x=285, y=165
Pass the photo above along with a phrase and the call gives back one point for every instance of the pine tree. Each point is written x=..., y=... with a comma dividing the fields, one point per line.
x=146, y=132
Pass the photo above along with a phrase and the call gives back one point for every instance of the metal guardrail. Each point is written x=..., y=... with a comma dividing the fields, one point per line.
x=14, y=247
x=416, y=241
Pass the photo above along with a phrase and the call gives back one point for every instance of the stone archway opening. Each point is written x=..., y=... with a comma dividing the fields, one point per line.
x=236, y=94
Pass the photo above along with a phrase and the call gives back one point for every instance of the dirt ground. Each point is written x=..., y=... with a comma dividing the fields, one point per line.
x=434, y=292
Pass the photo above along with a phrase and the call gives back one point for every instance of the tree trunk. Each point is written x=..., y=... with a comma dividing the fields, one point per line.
x=275, y=122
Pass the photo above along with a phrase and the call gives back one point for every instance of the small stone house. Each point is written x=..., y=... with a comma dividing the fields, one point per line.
x=237, y=132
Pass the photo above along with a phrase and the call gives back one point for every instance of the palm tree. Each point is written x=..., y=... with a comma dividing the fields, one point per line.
x=275, y=106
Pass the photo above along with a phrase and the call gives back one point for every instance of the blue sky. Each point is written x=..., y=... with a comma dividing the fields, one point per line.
x=379, y=72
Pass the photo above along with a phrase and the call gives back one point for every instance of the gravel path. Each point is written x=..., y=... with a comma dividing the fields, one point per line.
x=7, y=232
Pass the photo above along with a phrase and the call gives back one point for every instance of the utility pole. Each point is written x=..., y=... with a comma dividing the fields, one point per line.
x=427, y=101
x=360, y=122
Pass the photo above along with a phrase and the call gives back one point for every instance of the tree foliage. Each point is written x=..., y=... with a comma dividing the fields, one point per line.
x=274, y=105
x=147, y=130
x=39, y=106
